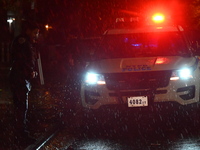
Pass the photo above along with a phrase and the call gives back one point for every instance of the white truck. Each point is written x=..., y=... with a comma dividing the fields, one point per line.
x=140, y=65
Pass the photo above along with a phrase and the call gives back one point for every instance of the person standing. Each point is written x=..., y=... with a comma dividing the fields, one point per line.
x=24, y=58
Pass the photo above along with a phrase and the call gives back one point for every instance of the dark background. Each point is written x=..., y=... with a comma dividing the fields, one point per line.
x=88, y=18
x=76, y=25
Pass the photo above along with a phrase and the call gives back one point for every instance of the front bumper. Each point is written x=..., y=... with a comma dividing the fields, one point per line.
x=183, y=93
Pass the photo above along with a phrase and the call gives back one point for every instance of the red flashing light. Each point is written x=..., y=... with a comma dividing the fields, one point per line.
x=162, y=60
x=158, y=18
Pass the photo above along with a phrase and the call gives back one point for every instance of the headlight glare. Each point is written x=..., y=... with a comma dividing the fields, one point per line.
x=185, y=73
x=93, y=78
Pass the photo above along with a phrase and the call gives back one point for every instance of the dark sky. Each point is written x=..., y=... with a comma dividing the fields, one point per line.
x=93, y=16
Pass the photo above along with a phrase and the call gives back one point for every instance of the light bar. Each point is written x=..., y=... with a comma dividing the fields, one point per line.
x=158, y=18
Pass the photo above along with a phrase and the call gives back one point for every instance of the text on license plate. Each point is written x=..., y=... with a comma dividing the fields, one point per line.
x=137, y=101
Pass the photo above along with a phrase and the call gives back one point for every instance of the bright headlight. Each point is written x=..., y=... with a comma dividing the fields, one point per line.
x=185, y=73
x=93, y=78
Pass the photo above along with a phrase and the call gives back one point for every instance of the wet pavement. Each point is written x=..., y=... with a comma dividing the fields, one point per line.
x=52, y=107
x=127, y=131
x=46, y=108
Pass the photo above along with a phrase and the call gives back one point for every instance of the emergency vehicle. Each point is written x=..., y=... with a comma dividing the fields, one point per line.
x=138, y=65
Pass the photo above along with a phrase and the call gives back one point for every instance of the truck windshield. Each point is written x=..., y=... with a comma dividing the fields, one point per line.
x=143, y=45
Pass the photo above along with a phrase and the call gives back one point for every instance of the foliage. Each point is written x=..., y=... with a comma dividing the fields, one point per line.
x=194, y=13
x=13, y=5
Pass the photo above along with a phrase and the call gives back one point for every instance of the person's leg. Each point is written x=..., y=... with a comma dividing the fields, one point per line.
x=20, y=100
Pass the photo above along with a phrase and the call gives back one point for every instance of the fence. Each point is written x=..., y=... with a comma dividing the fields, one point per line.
x=5, y=52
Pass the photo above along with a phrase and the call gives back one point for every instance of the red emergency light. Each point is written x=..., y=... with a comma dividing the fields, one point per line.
x=158, y=18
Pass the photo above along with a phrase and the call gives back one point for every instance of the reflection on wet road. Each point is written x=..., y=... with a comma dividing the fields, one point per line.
x=125, y=131
x=113, y=129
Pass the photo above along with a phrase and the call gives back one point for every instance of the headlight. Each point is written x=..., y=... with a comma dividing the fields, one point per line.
x=185, y=73
x=93, y=78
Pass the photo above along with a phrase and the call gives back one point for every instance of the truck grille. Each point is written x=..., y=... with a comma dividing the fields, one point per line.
x=137, y=80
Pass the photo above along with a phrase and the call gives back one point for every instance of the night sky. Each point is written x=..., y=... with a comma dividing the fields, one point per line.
x=92, y=17
x=88, y=18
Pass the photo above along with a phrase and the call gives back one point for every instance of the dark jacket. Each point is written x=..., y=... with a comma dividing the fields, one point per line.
x=24, y=57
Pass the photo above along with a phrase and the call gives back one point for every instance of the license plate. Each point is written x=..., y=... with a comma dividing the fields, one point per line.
x=137, y=101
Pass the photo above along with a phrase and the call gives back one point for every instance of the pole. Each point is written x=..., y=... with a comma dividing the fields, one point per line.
x=40, y=70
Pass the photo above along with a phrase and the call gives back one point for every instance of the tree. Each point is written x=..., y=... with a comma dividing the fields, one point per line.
x=19, y=9
x=194, y=13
